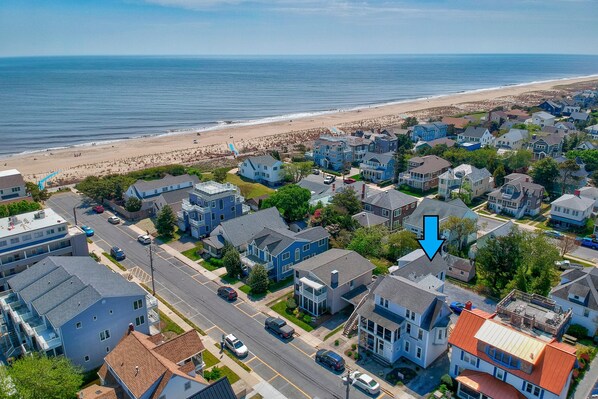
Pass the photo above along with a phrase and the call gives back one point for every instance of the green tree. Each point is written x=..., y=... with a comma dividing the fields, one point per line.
x=36, y=194
x=499, y=175
x=368, y=241
x=567, y=171
x=294, y=172
x=589, y=157
x=219, y=175
x=518, y=160
x=166, y=222
x=349, y=200
x=400, y=244
x=404, y=142
x=545, y=173
x=133, y=204
x=401, y=164
x=41, y=377
x=408, y=122
x=594, y=178
x=291, y=201
x=232, y=263
x=540, y=255
x=258, y=279
x=459, y=229
x=465, y=193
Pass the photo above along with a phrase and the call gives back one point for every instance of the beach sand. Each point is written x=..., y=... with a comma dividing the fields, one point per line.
x=127, y=155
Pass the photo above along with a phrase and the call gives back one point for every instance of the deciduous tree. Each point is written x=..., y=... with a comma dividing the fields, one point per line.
x=368, y=241
x=567, y=169
x=232, y=262
x=294, y=172
x=545, y=173
x=133, y=204
x=291, y=201
x=348, y=200
x=400, y=244
x=258, y=279
x=460, y=229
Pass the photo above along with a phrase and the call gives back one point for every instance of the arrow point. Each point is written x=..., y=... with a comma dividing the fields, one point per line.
x=430, y=247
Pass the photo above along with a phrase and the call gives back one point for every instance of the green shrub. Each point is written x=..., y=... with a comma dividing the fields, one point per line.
x=353, y=346
x=349, y=353
x=307, y=319
x=577, y=331
x=291, y=304
x=447, y=381
x=213, y=374
x=336, y=342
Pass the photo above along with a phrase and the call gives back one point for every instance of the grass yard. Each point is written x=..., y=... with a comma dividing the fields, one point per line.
x=229, y=279
x=209, y=359
x=168, y=325
x=248, y=188
x=166, y=240
x=281, y=308
x=117, y=263
x=331, y=333
x=211, y=264
x=192, y=254
x=413, y=191
x=228, y=373
x=273, y=287
x=357, y=177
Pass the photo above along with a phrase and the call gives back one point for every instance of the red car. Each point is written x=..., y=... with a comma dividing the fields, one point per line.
x=227, y=293
x=349, y=180
x=98, y=209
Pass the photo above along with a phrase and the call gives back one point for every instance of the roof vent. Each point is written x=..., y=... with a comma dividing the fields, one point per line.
x=136, y=370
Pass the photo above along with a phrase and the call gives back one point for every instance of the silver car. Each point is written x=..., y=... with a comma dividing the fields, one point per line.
x=235, y=345
x=144, y=239
x=364, y=381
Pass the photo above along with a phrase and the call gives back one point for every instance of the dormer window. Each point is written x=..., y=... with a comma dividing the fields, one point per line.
x=503, y=358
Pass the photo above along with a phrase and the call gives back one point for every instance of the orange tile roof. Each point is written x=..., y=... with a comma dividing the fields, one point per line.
x=182, y=347
x=488, y=385
x=97, y=392
x=552, y=369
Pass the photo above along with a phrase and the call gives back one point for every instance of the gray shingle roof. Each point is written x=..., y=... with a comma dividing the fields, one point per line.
x=277, y=240
x=475, y=132
x=267, y=160
x=431, y=163
x=574, y=202
x=406, y=293
x=175, y=198
x=390, y=199
x=464, y=170
x=168, y=180
x=349, y=265
x=62, y=287
x=581, y=283
x=380, y=316
x=240, y=230
x=381, y=158
x=420, y=266
x=579, y=116
x=459, y=263
x=367, y=219
x=443, y=209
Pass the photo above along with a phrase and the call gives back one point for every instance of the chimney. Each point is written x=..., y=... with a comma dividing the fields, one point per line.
x=334, y=279
x=577, y=193
x=468, y=305
x=363, y=191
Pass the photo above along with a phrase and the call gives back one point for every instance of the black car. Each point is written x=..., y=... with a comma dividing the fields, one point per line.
x=330, y=359
x=117, y=253
x=227, y=293
x=280, y=327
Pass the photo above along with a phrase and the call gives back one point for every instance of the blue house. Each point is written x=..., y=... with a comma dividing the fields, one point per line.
x=209, y=204
x=332, y=153
x=377, y=167
x=280, y=249
x=429, y=131
x=72, y=306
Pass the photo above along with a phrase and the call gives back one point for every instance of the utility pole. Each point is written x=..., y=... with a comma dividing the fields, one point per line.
x=348, y=383
x=75, y=214
x=152, y=267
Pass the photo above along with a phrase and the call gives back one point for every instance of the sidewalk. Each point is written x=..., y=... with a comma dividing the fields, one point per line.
x=584, y=389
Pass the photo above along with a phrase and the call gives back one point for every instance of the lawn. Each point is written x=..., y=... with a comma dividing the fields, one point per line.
x=228, y=373
x=331, y=333
x=192, y=254
x=117, y=263
x=357, y=177
x=281, y=309
x=166, y=239
x=211, y=264
x=168, y=325
x=248, y=188
x=273, y=287
x=229, y=280
x=209, y=359
x=405, y=189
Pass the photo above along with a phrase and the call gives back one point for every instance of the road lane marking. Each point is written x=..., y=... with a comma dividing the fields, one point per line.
x=284, y=378
x=302, y=351
x=252, y=359
x=276, y=376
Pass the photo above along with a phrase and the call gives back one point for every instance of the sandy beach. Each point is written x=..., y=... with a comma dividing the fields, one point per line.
x=134, y=154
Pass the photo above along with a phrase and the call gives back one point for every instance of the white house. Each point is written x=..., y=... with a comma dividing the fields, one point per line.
x=264, y=169
x=12, y=185
x=590, y=192
x=479, y=181
x=512, y=140
x=571, y=210
x=542, y=119
x=142, y=189
x=577, y=291
x=476, y=135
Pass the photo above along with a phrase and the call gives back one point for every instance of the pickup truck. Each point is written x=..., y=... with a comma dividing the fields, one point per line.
x=589, y=242
x=280, y=327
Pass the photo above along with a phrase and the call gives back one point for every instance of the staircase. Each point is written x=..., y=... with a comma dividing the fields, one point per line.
x=352, y=321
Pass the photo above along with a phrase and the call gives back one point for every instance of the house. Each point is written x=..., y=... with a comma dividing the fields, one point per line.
x=586, y=98
x=255, y=203
x=569, y=106
x=542, y=119
x=174, y=199
x=518, y=197
x=12, y=186
x=590, y=192
x=456, y=207
x=571, y=210
x=27, y=238
x=323, y=281
x=73, y=306
x=359, y=146
x=392, y=205
x=575, y=180
x=501, y=230
x=324, y=193
x=239, y=231
x=551, y=107
x=377, y=167
x=476, y=135
x=402, y=318
x=263, y=169
x=367, y=219
x=423, y=172
x=579, y=117
x=332, y=152
x=416, y=267
x=577, y=291
x=280, y=249
x=478, y=181
x=429, y=131
x=514, y=353
x=550, y=145
x=382, y=142
x=422, y=145
x=514, y=139
x=563, y=127
x=150, y=192
x=459, y=268
x=517, y=115
x=209, y=204
x=592, y=131
x=586, y=145
x=498, y=116
x=458, y=123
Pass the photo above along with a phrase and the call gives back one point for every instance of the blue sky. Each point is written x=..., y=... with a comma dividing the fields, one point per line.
x=213, y=27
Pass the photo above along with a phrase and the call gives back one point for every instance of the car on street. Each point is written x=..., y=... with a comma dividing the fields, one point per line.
x=589, y=242
x=594, y=393
x=88, y=231
x=117, y=253
x=457, y=307
x=235, y=345
x=228, y=293
x=329, y=179
x=554, y=234
x=145, y=239
x=349, y=180
x=315, y=171
x=364, y=381
x=114, y=220
x=566, y=264
x=330, y=359
x=280, y=327
x=98, y=209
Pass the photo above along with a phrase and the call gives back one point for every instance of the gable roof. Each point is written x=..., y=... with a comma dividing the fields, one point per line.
x=443, y=209
x=476, y=132
x=267, y=160
x=459, y=263
x=589, y=192
x=459, y=123
x=11, y=178
x=542, y=115
x=367, y=219
x=349, y=265
x=416, y=266
x=465, y=170
x=221, y=389
x=579, y=116
x=60, y=287
x=574, y=202
x=550, y=139
x=407, y=294
x=175, y=198
x=383, y=158
x=168, y=180
x=277, y=240
x=239, y=231
x=580, y=283
x=390, y=199
x=433, y=143
x=515, y=135
x=430, y=163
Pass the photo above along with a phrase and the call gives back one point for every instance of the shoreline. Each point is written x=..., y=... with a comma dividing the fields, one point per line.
x=121, y=155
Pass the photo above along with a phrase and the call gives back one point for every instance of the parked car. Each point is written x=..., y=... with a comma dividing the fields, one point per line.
x=98, y=209
x=349, y=180
x=589, y=242
x=329, y=179
x=280, y=327
x=114, y=220
x=457, y=307
x=144, y=239
x=565, y=264
x=315, y=171
x=117, y=253
x=554, y=234
x=235, y=345
x=227, y=293
x=88, y=231
x=330, y=359
x=364, y=381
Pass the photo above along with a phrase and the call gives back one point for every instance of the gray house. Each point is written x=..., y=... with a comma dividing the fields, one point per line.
x=392, y=205
x=323, y=283
x=366, y=219
x=154, y=194
x=577, y=291
x=72, y=306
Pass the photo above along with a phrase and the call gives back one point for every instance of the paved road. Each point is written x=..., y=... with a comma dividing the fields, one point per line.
x=289, y=367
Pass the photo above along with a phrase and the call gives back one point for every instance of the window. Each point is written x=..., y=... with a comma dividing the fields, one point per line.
x=14, y=240
x=397, y=212
x=322, y=242
x=139, y=320
x=406, y=346
x=78, y=325
x=408, y=328
x=470, y=359
x=440, y=332
x=586, y=313
x=104, y=335
x=213, y=204
x=3, y=243
x=420, y=334
x=16, y=189
x=297, y=254
x=27, y=237
x=221, y=217
x=38, y=234
x=418, y=352
x=306, y=247
x=50, y=231
x=385, y=212
x=86, y=358
x=107, y=349
x=187, y=385
x=503, y=358
x=286, y=256
x=138, y=304
x=500, y=374
x=531, y=388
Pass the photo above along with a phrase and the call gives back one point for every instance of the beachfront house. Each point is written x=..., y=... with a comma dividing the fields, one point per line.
x=421, y=146
x=73, y=306
x=280, y=249
x=429, y=131
x=476, y=134
x=514, y=139
x=458, y=124
x=209, y=204
x=569, y=106
x=263, y=169
x=324, y=282
x=423, y=172
x=571, y=211
x=27, y=238
x=155, y=194
x=552, y=107
x=377, y=167
x=542, y=119
x=392, y=205
x=332, y=152
x=518, y=196
x=550, y=145
x=12, y=186
x=465, y=178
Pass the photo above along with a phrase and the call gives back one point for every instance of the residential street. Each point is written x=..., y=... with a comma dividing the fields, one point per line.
x=289, y=367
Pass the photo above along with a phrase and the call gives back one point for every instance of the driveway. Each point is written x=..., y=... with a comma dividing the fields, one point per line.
x=456, y=293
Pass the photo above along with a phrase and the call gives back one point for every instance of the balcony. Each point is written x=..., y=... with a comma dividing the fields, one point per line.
x=48, y=339
x=367, y=166
x=312, y=290
x=151, y=302
x=8, y=299
x=196, y=223
x=153, y=317
x=33, y=326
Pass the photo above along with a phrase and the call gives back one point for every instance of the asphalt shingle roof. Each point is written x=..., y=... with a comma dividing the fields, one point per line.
x=420, y=266
x=574, y=202
x=390, y=199
x=349, y=265
x=367, y=219
x=168, y=180
x=240, y=230
x=267, y=160
x=443, y=209
x=476, y=132
x=383, y=158
x=277, y=240
x=406, y=293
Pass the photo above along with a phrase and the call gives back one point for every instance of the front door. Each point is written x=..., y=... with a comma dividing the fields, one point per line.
x=380, y=349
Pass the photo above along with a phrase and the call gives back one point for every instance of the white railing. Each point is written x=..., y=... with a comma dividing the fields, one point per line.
x=151, y=302
x=153, y=317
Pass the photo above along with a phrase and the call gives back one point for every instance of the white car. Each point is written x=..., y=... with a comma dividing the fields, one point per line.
x=364, y=381
x=114, y=220
x=235, y=345
x=144, y=239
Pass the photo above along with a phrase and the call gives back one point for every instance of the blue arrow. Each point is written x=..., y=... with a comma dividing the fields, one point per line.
x=431, y=243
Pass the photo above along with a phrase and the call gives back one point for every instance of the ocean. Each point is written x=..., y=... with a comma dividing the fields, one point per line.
x=54, y=102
